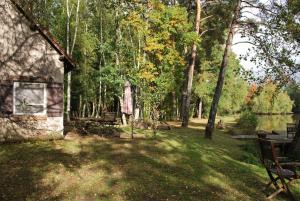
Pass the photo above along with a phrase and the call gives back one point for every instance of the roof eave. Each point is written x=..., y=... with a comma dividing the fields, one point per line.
x=68, y=66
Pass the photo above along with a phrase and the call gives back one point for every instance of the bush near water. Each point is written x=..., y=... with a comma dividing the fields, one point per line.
x=248, y=122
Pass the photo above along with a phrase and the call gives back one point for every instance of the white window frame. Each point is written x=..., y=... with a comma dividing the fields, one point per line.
x=16, y=84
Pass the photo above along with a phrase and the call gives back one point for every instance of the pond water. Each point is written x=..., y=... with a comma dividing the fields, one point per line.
x=276, y=122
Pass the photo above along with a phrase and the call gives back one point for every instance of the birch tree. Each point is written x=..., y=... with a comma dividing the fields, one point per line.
x=70, y=51
x=187, y=89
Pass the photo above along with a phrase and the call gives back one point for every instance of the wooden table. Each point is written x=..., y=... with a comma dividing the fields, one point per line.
x=279, y=132
x=282, y=141
x=278, y=138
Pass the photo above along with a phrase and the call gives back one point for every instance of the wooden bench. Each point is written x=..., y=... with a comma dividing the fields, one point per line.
x=109, y=118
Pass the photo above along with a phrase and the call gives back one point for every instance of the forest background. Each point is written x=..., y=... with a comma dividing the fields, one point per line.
x=151, y=45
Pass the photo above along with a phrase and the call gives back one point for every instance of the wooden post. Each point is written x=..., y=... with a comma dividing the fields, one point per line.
x=132, y=125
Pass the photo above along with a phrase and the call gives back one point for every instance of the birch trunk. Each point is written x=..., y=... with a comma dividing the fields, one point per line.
x=76, y=26
x=118, y=54
x=123, y=116
x=200, y=109
x=186, y=95
x=68, y=52
x=100, y=67
x=69, y=80
x=174, y=106
x=80, y=106
x=136, y=105
x=93, y=108
x=218, y=91
x=137, y=113
x=83, y=110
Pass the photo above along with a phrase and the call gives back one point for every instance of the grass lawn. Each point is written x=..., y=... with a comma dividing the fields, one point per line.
x=176, y=165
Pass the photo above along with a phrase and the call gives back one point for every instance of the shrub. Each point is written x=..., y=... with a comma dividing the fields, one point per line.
x=248, y=120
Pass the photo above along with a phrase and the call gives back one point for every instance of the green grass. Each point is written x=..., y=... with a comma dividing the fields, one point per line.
x=176, y=165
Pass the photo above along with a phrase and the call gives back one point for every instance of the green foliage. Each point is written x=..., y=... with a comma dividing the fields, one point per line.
x=293, y=91
x=166, y=32
x=248, y=122
x=273, y=122
x=282, y=103
x=235, y=88
x=276, y=42
x=271, y=100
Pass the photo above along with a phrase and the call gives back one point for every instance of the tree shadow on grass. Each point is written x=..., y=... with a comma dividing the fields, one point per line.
x=177, y=169
x=202, y=161
x=176, y=165
x=22, y=169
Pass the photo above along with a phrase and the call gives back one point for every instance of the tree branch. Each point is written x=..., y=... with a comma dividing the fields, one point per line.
x=203, y=32
x=259, y=6
x=244, y=42
x=205, y=18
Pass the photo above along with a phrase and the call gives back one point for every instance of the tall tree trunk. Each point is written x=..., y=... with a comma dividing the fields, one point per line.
x=200, y=109
x=104, y=106
x=80, y=106
x=83, y=110
x=177, y=108
x=186, y=94
x=218, y=91
x=136, y=113
x=118, y=55
x=100, y=66
x=76, y=26
x=123, y=116
x=94, y=103
x=69, y=81
x=68, y=52
x=174, y=106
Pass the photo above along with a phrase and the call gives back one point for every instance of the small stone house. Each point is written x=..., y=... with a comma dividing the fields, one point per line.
x=32, y=67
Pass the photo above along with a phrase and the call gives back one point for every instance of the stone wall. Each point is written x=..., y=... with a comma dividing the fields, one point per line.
x=12, y=130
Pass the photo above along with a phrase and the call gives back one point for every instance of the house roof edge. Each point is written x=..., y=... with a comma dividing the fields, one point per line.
x=69, y=62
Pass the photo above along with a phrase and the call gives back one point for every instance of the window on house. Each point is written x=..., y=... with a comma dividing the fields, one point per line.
x=29, y=98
